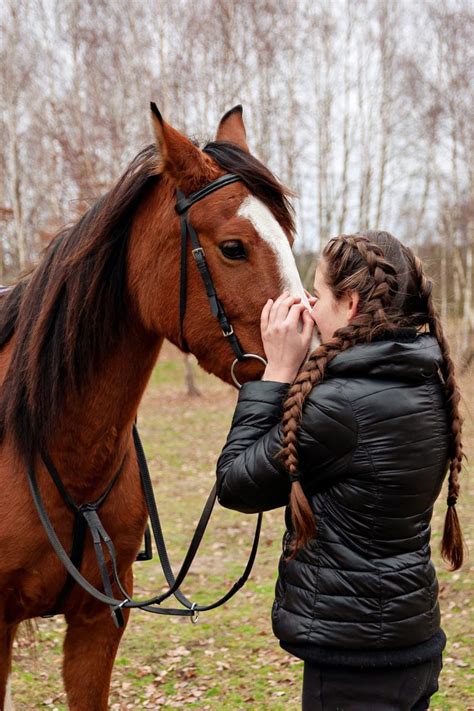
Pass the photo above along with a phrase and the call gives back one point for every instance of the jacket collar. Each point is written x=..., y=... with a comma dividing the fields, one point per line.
x=400, y=355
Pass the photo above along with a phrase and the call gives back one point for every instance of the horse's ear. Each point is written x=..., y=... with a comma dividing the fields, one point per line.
x=232, y=129
x=176, y=152
x=157, y=123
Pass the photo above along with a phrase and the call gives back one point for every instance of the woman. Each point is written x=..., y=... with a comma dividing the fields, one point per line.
x=357, y=447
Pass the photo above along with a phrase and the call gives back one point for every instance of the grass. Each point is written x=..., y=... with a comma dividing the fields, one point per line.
x=229, y=660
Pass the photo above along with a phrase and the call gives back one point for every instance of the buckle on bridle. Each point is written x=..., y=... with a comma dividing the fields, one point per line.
x=197, y=249
x=228, y=333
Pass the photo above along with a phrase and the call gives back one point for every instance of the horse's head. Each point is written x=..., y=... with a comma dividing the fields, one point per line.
x=245, y=229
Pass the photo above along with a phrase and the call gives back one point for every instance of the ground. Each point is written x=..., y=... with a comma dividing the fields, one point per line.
x=229, y=660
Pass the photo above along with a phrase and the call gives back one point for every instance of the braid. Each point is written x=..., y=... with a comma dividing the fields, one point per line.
x=375, y=280
x=311, y=374
x=387, y=299
x=452, y=546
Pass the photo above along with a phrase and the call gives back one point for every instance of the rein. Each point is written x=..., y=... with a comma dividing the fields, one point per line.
x=87, y=516
x=89, y=513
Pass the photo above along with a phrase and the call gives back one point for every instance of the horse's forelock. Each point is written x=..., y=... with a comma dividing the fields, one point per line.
x=258, y=178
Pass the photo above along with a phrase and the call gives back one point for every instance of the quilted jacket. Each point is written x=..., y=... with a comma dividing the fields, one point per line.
x=373, y=451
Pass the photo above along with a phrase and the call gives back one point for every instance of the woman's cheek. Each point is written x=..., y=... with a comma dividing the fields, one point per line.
x=318, y=319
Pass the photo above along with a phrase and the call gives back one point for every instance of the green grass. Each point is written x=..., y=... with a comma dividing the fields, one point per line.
x=229, y=660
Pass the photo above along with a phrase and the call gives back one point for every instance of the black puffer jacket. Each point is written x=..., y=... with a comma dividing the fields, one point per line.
x=373, y=449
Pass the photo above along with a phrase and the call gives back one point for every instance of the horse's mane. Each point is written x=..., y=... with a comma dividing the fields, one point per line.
x=259, y=180
x=68, y=312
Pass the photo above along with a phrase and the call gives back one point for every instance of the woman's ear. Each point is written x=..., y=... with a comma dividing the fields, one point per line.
x=353, y=305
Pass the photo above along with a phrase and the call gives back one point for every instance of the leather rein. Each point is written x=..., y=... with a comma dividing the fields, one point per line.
x=86, y=515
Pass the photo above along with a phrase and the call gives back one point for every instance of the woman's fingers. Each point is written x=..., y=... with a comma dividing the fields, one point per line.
x=297, y=313
x=294, y=314
x=271, y=307
x=284, y=295
x=285, y=310
x=308, y=326
x=265, y=315
x=280, y=310
x=276, y=304
x=286, y=342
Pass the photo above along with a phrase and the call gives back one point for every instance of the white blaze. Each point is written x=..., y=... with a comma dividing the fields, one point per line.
x=271, y=232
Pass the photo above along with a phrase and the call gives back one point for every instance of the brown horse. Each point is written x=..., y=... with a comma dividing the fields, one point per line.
x=79, y=337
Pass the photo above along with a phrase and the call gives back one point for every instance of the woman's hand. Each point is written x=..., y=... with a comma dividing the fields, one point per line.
x=285, y=344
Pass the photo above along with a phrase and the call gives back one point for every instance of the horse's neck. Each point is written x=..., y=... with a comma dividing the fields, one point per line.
x=94, y=433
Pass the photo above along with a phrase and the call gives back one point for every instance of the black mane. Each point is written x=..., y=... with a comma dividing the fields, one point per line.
x=259, y=180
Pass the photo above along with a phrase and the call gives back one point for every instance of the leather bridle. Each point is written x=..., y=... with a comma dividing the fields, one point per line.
x=87, y=516
x=189, y=233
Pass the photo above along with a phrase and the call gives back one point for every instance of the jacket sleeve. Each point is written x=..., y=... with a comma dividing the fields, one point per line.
x=249, y=476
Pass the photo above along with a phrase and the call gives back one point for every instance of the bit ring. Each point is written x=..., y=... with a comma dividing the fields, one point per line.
x=246, y=355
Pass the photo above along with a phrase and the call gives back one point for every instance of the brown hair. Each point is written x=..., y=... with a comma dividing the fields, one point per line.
x=394, y=292
x=67, y=313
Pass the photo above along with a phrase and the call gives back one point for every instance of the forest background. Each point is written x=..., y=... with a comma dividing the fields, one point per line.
x=364, y=109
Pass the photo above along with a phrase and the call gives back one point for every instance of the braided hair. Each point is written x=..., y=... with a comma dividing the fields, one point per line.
x=452, y=546
x=393, y=292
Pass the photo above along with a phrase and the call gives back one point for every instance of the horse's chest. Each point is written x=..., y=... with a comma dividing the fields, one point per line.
x=37, y=577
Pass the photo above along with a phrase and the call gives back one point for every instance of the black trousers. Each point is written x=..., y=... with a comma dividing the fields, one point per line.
x=345, y=689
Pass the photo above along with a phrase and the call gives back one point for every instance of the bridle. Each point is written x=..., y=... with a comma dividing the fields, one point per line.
x=189, y=233
x=86, y=515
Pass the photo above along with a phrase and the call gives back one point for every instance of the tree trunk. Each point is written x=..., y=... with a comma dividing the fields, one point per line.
x=191, y=388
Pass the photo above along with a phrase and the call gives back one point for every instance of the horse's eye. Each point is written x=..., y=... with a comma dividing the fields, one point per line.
x=234, y=249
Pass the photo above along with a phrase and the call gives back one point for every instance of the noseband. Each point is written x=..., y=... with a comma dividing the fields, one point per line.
x=188, y=232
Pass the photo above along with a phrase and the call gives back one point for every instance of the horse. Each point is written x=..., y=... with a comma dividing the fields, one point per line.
x=79, y=337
